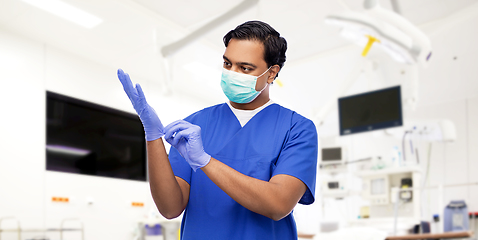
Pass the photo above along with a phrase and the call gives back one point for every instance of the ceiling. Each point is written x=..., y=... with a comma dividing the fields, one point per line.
x=133, y=31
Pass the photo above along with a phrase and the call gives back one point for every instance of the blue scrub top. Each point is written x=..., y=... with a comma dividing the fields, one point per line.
x=275, y=141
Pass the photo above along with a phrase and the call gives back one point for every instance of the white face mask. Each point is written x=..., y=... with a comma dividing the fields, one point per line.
x=240, y=87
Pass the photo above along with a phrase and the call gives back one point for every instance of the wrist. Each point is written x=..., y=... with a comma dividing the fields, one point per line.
x=153, y=137
x=201, y=162
x=207, y=163
x=153, y=133
x=154, y=140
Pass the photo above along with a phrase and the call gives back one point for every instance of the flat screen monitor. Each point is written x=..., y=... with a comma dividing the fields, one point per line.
x=370, y=111
x=87, y=138
x=333, y=155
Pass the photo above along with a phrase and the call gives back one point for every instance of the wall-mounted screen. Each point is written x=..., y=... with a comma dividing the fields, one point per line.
x=87, y=138
x=370, y=111
x=332, y=155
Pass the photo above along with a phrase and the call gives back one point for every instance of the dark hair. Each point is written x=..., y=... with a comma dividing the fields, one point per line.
x=275, y=46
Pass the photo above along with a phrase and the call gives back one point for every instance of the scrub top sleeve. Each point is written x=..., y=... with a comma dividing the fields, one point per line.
x=179, y=165
x=298, y=157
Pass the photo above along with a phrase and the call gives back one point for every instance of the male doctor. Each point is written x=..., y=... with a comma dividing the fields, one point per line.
x=236, y=169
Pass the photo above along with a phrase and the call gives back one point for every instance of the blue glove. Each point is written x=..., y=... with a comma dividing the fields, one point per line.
x=153, y=127
x=186, y=138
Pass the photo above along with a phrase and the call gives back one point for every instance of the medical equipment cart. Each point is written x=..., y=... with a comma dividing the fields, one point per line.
x=61, y=229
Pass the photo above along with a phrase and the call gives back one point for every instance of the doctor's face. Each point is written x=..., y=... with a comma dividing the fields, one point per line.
x=247, y=57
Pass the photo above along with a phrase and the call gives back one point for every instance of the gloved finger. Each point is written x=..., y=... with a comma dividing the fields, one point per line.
x=169, y=140
x=181, y=130
x=175, y=126
x=176, y=123
x=126, y=82
x=140, y=91
x=141, y=96
x=167, y=133
x=181, y=147
x=175, y=142
x=182, y=134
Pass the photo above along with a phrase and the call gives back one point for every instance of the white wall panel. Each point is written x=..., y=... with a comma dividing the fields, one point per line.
x=79, y=78
x=472, y=133
x=452, y=73
x=111, y=216
x=449, y=162
x=22, y=130
x=29, y=69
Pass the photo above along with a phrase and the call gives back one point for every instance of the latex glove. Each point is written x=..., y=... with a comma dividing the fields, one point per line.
x=153, y=127
x=186, y=138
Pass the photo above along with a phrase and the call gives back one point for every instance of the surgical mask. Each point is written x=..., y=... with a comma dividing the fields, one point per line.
x=240, y=87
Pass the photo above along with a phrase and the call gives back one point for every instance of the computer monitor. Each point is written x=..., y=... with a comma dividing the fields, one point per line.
x=332, y=156
x=370, y=111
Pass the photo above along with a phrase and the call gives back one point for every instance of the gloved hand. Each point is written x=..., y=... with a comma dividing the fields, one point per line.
x=186, y=138
x=153, y=127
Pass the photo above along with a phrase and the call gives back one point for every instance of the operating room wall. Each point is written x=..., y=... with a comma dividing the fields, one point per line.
x=30, y=68
x=448, y=89
x=22, y=138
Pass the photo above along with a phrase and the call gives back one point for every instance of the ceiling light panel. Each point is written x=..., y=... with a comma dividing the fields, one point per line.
x=67, y=11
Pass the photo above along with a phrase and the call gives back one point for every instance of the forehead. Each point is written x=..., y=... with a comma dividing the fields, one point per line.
x=245, y=51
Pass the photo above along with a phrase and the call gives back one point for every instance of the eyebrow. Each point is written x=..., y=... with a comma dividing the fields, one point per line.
x=240, y=63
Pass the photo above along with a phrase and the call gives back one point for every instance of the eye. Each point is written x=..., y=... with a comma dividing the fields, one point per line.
x=246, y=69
x=226, y=64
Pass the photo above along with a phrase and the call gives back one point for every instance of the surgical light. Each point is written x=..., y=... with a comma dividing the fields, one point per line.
x=67, y=11
x=394, y=34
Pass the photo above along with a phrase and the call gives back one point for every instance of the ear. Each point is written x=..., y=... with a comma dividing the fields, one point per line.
x=273, y=73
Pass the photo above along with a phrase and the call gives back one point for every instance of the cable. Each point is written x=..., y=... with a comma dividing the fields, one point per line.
x=428, y=164
x=425, y=179
x=403, y=144
x=418, y=159
x=411, y=146
x=397, y=205
x=345, y=163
